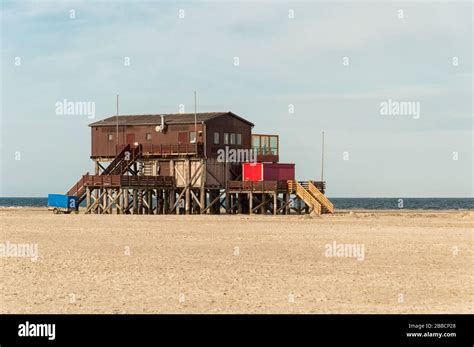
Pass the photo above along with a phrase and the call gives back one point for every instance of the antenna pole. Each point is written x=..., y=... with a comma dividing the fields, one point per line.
x=322, y=157
x=116, y=128
x=195, y=120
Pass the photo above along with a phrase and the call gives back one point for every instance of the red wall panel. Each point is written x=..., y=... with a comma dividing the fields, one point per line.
x=268, y=172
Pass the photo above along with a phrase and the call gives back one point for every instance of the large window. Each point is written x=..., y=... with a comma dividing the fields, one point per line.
x=239, y=139
x=192, y=136
x=232, y=139
x=265, y=144
x=216, y=138
x=226, y=138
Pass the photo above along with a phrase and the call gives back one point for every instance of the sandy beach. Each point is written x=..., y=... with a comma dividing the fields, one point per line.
x=401, y=262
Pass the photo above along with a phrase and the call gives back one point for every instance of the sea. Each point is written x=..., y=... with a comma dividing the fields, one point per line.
x=339, y=203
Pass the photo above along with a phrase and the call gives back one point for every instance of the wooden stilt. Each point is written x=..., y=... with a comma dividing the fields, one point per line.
x=88, y=198
x=150, y=201
x=275, y=203
x=250, y=202
x=202, y=193
x=135, y=201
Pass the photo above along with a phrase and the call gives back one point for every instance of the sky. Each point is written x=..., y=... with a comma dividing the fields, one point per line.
x=292, y=68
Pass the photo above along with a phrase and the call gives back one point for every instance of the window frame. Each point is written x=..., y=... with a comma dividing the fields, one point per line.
x=191, y=137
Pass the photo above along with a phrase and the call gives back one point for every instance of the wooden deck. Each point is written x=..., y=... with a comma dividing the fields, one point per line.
x=118, y=181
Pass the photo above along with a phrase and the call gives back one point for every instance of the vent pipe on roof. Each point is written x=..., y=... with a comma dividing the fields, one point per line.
x=161, y=128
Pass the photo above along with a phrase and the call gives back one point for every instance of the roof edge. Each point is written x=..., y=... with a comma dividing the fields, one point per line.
x=217, y=114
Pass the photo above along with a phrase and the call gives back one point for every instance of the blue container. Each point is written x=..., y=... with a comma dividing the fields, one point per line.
x=62, y=202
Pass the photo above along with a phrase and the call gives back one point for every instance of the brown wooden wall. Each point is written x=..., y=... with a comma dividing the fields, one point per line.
x=101, y=146
x=226, y=124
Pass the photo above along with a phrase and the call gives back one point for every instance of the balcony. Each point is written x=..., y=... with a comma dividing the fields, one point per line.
x=165, y=150
x=266, y=147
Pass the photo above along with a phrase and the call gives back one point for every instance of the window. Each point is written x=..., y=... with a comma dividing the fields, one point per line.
x=273, y=145
x=148, y=136
x=216, y=138
x=110, y=137
x=232, y=139
x=226, y=138
x=239, y=139
x=192, y=136
x=265, y=144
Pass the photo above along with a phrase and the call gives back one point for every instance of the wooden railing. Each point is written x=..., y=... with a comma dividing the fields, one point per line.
x=257, y=186
x=323, y=200
x=173, y=149
x=78, y=189
x=147, y=181
x=307, y=197
x=102, y=180
x=123, y=161
x=127, y=181
x=118, y=166
x=117, y=160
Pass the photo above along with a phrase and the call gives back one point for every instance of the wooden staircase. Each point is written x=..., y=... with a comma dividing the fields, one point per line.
x=312, y=196
x=123, y=161
x=306, y=196
x=327, y=206
x=119, y=166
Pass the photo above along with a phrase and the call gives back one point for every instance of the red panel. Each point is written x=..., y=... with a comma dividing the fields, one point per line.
x=252, y=171
x=278, y=172
x=268, y=172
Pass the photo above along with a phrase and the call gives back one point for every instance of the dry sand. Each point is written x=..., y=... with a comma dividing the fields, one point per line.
x=414, y=262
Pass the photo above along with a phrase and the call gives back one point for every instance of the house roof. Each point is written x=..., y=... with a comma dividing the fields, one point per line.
x=155, y=119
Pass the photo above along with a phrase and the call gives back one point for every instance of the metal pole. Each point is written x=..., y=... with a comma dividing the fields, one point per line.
x=322, y=158
x=195, y=120
x=116, y=140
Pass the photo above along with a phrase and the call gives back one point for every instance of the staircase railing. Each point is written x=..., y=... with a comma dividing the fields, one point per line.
x=121, y=163
x=307, y=197
x=118, y=166
x=78, y=189
x=323, y=200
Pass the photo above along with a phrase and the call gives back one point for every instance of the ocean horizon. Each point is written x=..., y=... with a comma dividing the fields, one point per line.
x=339, y=203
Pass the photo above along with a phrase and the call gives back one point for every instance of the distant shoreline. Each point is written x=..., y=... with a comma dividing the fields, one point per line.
x=361, y=212
x=340, y=204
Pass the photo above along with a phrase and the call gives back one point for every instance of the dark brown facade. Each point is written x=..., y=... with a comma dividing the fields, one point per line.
x=232, y=133
x=214, y=131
